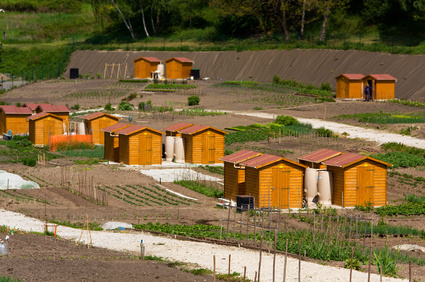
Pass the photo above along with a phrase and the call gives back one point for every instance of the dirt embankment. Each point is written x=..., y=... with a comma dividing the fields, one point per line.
x=308, y=66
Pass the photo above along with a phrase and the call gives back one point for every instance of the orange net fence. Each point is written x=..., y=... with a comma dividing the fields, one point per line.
x=67, y=142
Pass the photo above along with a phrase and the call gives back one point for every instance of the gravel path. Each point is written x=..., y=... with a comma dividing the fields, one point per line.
x=199, y=254
x=354, y=132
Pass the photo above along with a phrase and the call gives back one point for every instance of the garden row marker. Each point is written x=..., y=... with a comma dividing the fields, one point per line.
x=351, y=264
x=228, y=273
x=274, y=255
x=370, y=262
x=214, y=266
x=286, y=260
x=299, y=261
x=261, y=253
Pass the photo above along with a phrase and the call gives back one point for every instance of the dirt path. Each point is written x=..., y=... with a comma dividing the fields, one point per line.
x=198, y=254
x=353, y=132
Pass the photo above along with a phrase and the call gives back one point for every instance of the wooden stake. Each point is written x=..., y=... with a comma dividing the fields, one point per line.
x=370, y=262
x=255, y=277
x=244, y=273
x=261, y=253
x=299, y=261
x=286, y=260
x=214, y=266
x=410, y=271
x=274, y=255
x=351, y=264
x=228, y=273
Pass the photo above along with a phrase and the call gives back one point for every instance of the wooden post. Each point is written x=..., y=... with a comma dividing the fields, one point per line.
x=261, y=253
x=244, y=273
x=255, y=277
x=214, y=267
x=274, y=255
x=228, y=221
x=364, y=234
x=370, y=262
x=351, y=264
x=228, y=273
x=286, y=260
x=299, y=261
x=410, y=271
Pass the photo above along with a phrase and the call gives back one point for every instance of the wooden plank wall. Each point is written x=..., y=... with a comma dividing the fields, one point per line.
x=234, y=178
x=338, y=185
x=355, y=89
x=108, y=149
x=32, y=131
x=384, y=90
x=124, y=148
x=252, y=182
x=2, y=122
x=17, y=123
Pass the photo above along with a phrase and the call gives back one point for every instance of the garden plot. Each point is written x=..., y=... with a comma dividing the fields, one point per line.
x=171, y=175
x=14, y=181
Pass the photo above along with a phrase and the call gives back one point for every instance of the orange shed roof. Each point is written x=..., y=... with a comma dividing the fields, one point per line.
x=178, y=126
x=347, y=159
x=381, y=77
x=149, y=59
x=240, y=156
x=320, y=155
x=180, y=59
x=116, y=127
x=42, y=114
x=53, y=108
x=135, y=128
x=13, y=110
x=198, y=128
x=267, y=159
x=99, y=114
x=352, y=76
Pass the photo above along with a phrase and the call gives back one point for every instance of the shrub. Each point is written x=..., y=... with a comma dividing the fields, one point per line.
x=108, y=107
x=386, y=262
x=326, y=86
x=132, y=96
x=18, y=104
x=286, y=120
x=98, y=75
x=193, y=100
x=276, y=79
x=76, y=107
x=323, y=132
x=125, y=106
x=87, y=75
x=357, y=265
x=30, y=161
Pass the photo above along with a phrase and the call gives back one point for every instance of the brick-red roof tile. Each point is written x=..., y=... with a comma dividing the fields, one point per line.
x=240, y=156
x=261, y=161
x=135, y=128
x=178, y=126
x=42, y=114
x=344, y=159
x=13, y=110
x=382, y=76
x=181, y=59
x=99, y=114
x=53, y=108
x=32, y=106
x=352, y=76
x=197, y=128
x=149, y=59
x=320, y=155
x=116, y=127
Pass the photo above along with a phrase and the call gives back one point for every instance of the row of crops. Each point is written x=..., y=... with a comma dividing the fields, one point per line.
x=97, y=94
x=20, y=197
x=138, y=195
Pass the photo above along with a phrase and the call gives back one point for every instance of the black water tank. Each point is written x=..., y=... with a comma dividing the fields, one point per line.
x=245, y=202
x=73, y=73
x=195, y=73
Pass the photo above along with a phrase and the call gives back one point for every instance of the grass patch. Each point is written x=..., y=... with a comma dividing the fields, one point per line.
x=200, y=271
x=133, y=81
x=213, y=169
x=200, y=188
x=93, y=225
x=157, y=86
x=8, y=279
x=96, y=152
x=384, y=118
x=200, y=112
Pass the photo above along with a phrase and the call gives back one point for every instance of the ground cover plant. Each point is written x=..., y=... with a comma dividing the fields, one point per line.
x=201, y=188
x=384, y=118
x=169, y=87
x=200, y=112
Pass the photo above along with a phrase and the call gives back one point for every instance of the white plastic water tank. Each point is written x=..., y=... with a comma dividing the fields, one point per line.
x=179, y=150
x=310, y=180
x=81, y=128
x=161, y=71
x=169, y=148
x=324, y=187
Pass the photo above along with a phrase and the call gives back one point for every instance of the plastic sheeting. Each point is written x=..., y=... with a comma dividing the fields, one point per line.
x=14, y=181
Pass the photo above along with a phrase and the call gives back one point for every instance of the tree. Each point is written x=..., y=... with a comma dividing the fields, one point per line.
x=125, y=17
x=326, y=7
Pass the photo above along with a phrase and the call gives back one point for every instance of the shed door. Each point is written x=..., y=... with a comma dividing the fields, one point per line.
x=365, y=184
x=145, y=148
x=208, y=149
x=103, y=123
x=49, y=129
x=280, y=188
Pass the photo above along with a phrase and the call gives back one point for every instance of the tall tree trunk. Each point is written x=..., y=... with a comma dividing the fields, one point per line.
x=153, y=25
x=143, y=18
x=303, y=20
x=284, y=24
x=127, y=23
x=325, y=20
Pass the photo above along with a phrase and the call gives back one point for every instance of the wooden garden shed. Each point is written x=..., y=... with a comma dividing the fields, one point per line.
x=316, y=159
x=95, y=122
x=14, y=118
x=203, y=144
x=43, y=124
x=383, y=86
x=274, y=181
x=349, y=86
x=140, y=145
x=144, y=66
x=178, y=68
x=172, y=130
x=61, y=111
x=234, y=173
x=357, y=180
x=111, y=148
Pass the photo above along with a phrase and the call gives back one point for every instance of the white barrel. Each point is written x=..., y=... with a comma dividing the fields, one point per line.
x=310, y=180
x=324, y=187
x=179, y=150
x=81, y=128
x=3, y=249
x=169, y=148
x=161, y=71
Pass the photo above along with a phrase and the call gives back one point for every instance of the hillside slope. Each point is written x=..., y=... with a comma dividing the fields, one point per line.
x=307, y=66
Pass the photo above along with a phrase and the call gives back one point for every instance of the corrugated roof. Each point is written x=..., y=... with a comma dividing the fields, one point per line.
x=240, y=156
x=178, y=126
x=13, y=110
x=180, y=59
x=149, y=59
x=135, y=128
x=320, y=155
x=197, y=128
x=98, y=114
x=352, y=76
x=116, y=127
x=382, y=76
x=32, y=106
x=350, y=158
x=42, y=114
x=53, y=108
